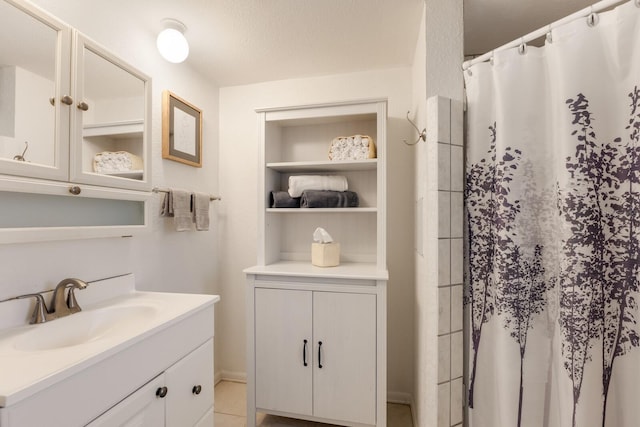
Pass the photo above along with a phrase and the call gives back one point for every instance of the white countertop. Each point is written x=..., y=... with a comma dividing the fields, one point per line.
x=24, y=372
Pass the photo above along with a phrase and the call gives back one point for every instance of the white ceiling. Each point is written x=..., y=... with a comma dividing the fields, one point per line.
x=245, y=41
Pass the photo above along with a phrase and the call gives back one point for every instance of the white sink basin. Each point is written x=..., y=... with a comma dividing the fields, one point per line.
x=84, y=327
x=114, y=318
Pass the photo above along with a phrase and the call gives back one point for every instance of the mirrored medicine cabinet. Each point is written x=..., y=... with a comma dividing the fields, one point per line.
x=74, y=126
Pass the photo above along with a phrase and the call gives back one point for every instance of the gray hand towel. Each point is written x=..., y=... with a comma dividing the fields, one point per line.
x=180, y=207
x=201, y=204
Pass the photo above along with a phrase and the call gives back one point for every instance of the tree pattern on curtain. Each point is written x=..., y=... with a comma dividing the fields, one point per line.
x=595, y=278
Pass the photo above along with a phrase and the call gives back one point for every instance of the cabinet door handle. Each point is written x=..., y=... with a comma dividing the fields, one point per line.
x=320, y=354
x=67, y=100
x=161, y=392
x=196, y=389
x=83, y=106
x=304, y=353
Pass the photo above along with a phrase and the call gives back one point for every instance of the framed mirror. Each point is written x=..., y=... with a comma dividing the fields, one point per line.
x=34, y=75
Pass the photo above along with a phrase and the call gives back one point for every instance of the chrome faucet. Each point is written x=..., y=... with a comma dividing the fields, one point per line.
x=60, y=306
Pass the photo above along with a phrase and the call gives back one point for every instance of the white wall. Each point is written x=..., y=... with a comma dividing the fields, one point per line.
x=438, y=387
x=162, y=259
x=238, y=214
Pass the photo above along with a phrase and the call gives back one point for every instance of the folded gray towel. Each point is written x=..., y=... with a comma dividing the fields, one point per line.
x=329, y=199
x=282, y=199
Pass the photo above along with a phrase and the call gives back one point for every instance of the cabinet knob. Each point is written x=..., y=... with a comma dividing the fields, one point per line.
x=161, y=392
x=196, y=389
x=83, y=106
x=75, y=190
x=67, y=100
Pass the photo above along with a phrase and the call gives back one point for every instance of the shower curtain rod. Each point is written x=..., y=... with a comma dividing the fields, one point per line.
x=583, y=13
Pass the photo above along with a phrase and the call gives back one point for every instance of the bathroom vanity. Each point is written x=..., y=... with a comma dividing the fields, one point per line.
x=128, y=358
x=317, y=336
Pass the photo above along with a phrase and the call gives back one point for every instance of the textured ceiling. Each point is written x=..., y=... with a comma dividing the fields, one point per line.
x=245, y=41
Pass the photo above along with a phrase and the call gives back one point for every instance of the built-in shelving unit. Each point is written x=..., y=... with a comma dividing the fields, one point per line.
x=286, y=372
x=296, y=141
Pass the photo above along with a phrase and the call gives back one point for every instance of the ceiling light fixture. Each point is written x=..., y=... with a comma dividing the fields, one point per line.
x=172, y=44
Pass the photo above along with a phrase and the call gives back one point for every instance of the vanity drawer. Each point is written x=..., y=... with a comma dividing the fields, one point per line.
x=190, y=387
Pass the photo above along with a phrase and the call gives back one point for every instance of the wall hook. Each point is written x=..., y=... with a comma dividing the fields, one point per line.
x=422, y=135
x=20, y=157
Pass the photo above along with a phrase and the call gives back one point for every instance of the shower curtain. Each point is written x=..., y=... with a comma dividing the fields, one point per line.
x=553, y=225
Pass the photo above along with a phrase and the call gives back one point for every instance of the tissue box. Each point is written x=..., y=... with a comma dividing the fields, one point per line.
x=325, y=254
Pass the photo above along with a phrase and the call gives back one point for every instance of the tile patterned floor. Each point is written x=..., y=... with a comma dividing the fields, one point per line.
x=230, y=407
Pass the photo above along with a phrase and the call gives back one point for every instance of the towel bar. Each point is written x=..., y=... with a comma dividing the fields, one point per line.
x=166, y=190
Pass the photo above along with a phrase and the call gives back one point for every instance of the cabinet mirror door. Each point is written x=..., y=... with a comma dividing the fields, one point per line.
x=34, y=77
x=111, y=129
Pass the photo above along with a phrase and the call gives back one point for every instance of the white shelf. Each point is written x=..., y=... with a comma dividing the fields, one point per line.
x=324, y=166
x=128, y=128
x=322, y=210
x=132, y=174
x=365, y=271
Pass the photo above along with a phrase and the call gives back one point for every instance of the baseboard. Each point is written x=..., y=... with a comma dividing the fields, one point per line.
x=238, y=377
x=399, y=397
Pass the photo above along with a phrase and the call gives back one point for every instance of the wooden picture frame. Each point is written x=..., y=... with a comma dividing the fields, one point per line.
x=181, y=130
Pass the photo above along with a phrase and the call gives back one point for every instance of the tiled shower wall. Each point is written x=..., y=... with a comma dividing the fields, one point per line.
x=445, y=139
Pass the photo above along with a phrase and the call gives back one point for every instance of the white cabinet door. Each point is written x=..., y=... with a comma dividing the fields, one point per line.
x=190, y=387
x=110, y=115
x=344, y=379
x=141, y=409
x=283, y=360
x=35, y=76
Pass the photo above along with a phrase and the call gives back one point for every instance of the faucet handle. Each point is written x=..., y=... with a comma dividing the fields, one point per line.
x=40, y=313
x=72, y=303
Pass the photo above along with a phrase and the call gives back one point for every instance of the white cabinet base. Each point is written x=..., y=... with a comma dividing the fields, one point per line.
x=317, y=349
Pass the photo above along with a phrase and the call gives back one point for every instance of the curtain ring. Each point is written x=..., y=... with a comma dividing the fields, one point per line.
x=592, y=19
x=522, y=49
x=469, y=72
x=491, y=61
x=550, y=37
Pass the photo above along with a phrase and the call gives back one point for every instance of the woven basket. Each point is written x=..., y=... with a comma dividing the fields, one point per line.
x=136, y=162
x=355, y=147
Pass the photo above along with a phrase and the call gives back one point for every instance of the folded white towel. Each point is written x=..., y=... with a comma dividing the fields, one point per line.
x=300, y=183
x=201, y=204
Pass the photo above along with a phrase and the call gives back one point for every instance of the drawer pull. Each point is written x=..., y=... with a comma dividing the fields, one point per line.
x=320, y=354
x=304, y=353
x=196, y=389
x=162, y=392
x=75, y=190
